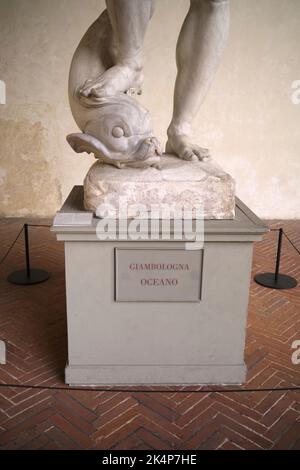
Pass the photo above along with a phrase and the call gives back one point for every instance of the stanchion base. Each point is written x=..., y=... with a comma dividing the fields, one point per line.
x=21, y=278
x=268, y=280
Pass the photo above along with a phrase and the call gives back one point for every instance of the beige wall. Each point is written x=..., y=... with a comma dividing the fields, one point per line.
x=248, y=120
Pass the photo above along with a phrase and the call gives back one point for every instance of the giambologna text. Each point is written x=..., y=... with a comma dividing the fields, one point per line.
x=159, y=281
x=159, y=267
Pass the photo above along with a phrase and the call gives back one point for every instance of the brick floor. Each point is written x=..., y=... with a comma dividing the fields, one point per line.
x=33, y=323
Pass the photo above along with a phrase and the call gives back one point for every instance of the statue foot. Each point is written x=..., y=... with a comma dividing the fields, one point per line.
x=182, y=148
x=117, y=79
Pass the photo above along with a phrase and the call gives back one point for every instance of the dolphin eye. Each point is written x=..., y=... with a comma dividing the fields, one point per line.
x=118, y=132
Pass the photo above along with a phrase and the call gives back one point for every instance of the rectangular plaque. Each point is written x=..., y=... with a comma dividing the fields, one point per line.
x=162, y=275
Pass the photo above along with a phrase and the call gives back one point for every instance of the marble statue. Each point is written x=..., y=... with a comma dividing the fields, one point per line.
x=108, y=63
x=105, y=78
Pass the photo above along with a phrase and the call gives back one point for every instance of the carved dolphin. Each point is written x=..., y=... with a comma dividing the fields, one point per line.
x=116, y=129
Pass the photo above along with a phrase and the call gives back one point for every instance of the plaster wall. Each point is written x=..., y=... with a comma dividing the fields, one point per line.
x=250, y=119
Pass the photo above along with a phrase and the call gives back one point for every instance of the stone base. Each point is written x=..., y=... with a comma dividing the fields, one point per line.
x=155, y=374
x=185, y=184
x=152, y=339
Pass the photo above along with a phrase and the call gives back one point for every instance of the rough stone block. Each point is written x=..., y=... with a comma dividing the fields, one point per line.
x=184, y=183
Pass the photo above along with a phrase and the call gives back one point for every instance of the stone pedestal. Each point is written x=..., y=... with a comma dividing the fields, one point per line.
x=185, y=184
x=198, y=338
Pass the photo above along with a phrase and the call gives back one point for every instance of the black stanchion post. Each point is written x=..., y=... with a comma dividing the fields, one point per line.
x=276, y=280
x=278, y=254
x=27, y=250
x=28, y=276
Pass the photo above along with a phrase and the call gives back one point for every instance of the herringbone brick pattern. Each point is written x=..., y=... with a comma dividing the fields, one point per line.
x=33, y=323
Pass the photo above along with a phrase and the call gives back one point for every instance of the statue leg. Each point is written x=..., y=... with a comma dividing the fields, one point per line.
x=200, y=45
x=129, y=20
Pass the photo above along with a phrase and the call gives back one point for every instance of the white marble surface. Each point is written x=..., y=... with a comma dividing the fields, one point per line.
x=187, y=184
